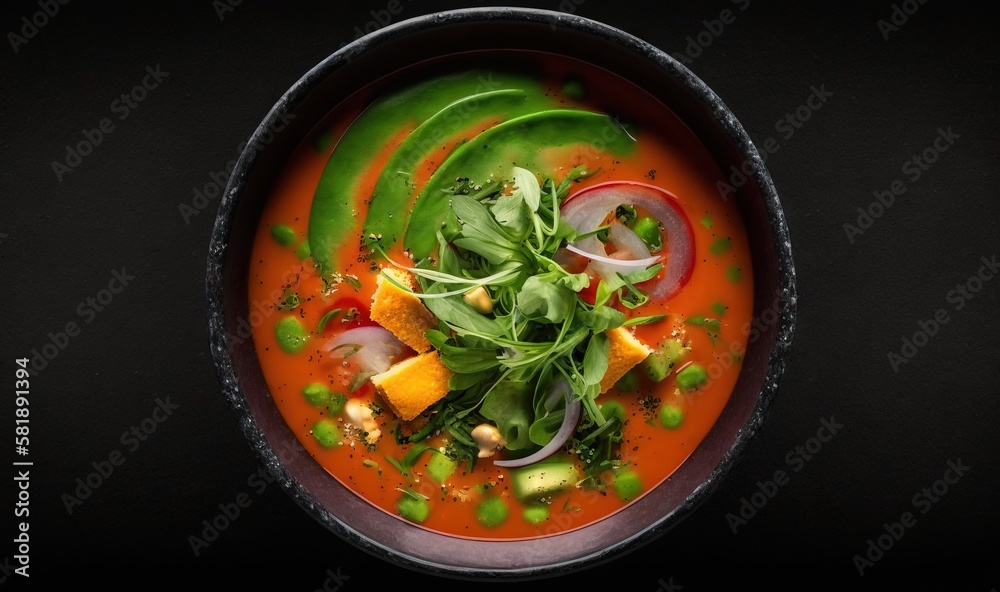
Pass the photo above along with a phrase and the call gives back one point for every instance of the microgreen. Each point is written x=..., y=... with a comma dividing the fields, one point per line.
x=504, y=363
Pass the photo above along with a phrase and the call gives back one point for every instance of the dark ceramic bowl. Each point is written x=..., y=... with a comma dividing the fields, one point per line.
x=404, y=44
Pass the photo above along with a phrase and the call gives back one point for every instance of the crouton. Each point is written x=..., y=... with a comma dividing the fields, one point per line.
x=624, y=353
x=399, y=311
x=411, y=386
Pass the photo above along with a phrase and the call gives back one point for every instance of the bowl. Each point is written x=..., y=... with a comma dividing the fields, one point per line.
x=398, y=46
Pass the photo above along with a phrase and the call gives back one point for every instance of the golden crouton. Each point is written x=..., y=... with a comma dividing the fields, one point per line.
x=625, y=351
x=399, y=311
x=411, y=386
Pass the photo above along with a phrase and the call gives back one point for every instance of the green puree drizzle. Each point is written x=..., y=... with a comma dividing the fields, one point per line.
x=437, y=109
x=394, y=189
x=337, y=196
x=493, y=154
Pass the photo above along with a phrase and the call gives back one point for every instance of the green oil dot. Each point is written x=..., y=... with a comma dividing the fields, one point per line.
x=284, y=234
x=326, y=433
x=671, y=416
x=291, y=335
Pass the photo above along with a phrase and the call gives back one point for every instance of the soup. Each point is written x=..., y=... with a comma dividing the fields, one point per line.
x=500, y=294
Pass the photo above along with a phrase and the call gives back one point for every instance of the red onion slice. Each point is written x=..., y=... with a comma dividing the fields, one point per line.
x=373, y=348
x=573, y=407
x=586, y=209
x=623, y=265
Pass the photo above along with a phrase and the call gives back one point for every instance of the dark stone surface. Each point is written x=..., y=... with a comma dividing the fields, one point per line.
x=115, y=218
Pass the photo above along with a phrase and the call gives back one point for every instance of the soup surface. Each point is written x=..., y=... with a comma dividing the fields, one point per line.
x=500, y=295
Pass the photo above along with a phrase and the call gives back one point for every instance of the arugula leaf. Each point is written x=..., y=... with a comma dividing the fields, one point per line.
x=463, y=360
x=512, y=213
x=644, y=320
x=479, y=224
x=544, y=301
x=595, y=360
x=509, y=405
x=527, y=184
x=602, y=318
x=458, y=313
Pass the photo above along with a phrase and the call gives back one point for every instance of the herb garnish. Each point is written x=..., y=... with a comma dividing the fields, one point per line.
x=539, y=330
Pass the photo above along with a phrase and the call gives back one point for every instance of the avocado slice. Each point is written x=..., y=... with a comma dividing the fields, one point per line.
x=491, y=156
x=543, y=479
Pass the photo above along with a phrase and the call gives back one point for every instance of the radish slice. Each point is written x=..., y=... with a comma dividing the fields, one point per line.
x=586, y=209
x=573, y=407
x=373, y=348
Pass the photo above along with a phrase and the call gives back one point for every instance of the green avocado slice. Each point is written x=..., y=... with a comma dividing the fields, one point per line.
x=386, y=218
x=491, y=156
x=337, y=196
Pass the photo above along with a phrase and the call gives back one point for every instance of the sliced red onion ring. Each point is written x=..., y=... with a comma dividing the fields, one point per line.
x=372, y=347
x=623, y=265
x=586, y=209
x=573, y=407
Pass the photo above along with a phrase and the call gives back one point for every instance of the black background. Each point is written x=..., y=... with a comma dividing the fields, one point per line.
x=61, y=240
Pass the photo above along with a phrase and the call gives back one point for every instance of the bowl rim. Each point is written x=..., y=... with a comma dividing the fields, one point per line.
x=729, y=124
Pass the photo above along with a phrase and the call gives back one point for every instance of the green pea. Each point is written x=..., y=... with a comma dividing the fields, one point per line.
x=692, y=377
x=316, y=394
x=326, y=433
x=648, y=229
x=535, y=514
x=491, y=512
x=291, y=335
x=284, y=234
x=413, y=508
x=671, y=416
x=627, y=485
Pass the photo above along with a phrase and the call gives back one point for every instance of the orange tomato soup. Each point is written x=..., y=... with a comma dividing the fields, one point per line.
x=285, y=282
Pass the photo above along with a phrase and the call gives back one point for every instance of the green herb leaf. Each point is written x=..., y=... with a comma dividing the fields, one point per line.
x=543, y=301
x=644, y=320
x=509, y=405
x=326, y=319
x=601, y=318
x=595, y=360
x=527, y=183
